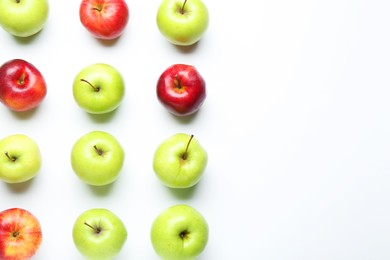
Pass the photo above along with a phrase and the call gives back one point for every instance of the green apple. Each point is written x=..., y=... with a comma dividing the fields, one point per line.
x=23, y=18
x=97, y=158
x=99, y=233
x=182, y=22
x=20, y=158
x=179, y=161
x=180, y=232
x=98, y=88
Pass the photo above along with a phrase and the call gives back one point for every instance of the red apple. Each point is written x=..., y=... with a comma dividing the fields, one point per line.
x=22, y=86
x=181, y=89
x=104, y=19
x=20, y=234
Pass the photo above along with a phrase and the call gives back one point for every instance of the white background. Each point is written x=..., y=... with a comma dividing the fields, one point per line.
x=296, y=124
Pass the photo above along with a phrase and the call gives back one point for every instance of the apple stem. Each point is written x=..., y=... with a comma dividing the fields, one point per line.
x=18, y=1
x=97, y=230
x=97, y=89
x=182, y=7
x=99, y=151
x=15, y=233
x=177, y=82
x=12, y=158
x=185, y=154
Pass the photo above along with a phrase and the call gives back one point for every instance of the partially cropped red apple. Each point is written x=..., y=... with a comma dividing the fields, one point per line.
x=104, y=19
x=181, y=89
x=20, y=234
x=22, y=85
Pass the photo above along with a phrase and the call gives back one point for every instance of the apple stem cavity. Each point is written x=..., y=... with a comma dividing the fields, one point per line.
x=177, y=82
x=21, y=80
x=182, y=7
x=98, y=150
x=97, y=230
x=96, y=89
x=11, y=158
x=185, y=154
x=184, y=234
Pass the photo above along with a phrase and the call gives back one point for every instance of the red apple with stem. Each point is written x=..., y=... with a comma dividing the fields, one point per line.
x=104, y=19
x=22, y=85
x=20, y=234
x=181, y=89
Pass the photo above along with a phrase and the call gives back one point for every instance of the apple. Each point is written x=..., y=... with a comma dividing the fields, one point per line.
x=23, y=18
x=99, y=233
x=98, y=88
x=97, y=158
x=179, y=161
x=22, y=85
x=20, y=158
x=181, y=89
x=180, y=232
x=20, y=234
x=182, y=22
x=104, y=19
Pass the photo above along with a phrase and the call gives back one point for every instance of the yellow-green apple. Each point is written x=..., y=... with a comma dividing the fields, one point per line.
x=23, y=18
x=181, y=89
x=99, y=233
x=20, y=158
x=182, y=22
x=98, y=88
x=22, y=85
x=179, y=161
x=180, y=232
x=97, y=158
x=104, y=19
x=20, y=234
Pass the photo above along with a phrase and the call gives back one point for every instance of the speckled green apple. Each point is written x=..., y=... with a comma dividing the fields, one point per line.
x=179, y=161
x=180, y=232
x=98, y=88
x=20, y=158
x=182, y=22
x=97, y=158
x=23, y=18
x=99, y=233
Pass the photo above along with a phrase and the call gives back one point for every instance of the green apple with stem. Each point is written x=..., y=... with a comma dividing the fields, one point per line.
x=20, y=158
x=98, y=88
x=23, y=18
x=179, y=161
x=180, y=232
x=182, y=22
x=97, y=158
x=99, y=233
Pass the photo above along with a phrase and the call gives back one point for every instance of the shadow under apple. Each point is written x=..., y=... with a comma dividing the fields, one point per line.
x=20, y=187
x=184, y=120
x=102, y=191
x=27, y=40
x=103, y=118
x=184, y=194
x=187, y=49
x=25, y=115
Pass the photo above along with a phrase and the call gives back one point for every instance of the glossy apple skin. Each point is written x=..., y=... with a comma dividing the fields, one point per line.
x=23, y=18
x=182, y=26
x=22, y=85
x=20, y=234
x=181, y=89
x=104, y=19
x=172, y=169
x=104, y=244
x=180, y=232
